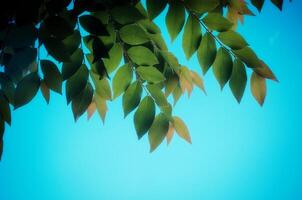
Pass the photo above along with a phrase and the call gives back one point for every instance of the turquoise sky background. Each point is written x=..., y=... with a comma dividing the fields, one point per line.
x=238, y=151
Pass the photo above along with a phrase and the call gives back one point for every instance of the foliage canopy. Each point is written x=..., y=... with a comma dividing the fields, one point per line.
x=86, y=41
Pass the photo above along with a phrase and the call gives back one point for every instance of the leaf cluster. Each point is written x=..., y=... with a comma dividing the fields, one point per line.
x=100, y=50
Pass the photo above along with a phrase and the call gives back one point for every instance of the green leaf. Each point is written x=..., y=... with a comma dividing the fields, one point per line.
x=7, y=86
x=132, y=97
x=206, y=53
x=5, y=113
x=144, y=116
x=26, y=89
x=222, y=67
x=133, y=34
x=115, y=57
x=57, y=49
x=181, y=129
x=76, y=83
x=121, y=80
x=142, y=56
x=248, y=56
x=81, y=102
x=158, y=131
x=175, y=19
x=69, y=68
x=126, y=14
x=202, y=6
x=102, y=86
x=155, y=7
x=55, y=27
x=93, y=25
x=150, y=74
x=171, y=84
x=72, y=42
x=265, y=71
x=192, y=36
x=258, y=88
x=238, y=80
x=217, y=22
x=52, y=76
x=232, y=39
x=157, y=95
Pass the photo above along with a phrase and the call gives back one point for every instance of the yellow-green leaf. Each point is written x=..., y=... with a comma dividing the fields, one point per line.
x=150, y=74
x=232, y=39
x=121, y=80
x=181, y=129
x=217, y=22
x=258, y=88
x=132, y=97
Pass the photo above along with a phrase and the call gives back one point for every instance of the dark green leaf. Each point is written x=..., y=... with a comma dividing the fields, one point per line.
x=191, y=37
x=202, y=6
x=206, y=53
x=126, y=14
x=26, y=89
x=69, y=68
x=248, y=56
x=217, y=22
x=76, y=83
x=258, y=4
x=158, y=131
x=52, y=76
x=222, y=67
x=57, y=49
x=232, y=39
x=155, y=7
x=132, y=97
x=238, y=80
x=81, y=102
x=5, y=113
x=144, y=116
x=93, y=25
x=175, y=19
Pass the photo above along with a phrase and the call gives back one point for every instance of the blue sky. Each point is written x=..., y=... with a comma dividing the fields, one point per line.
x=238, y=151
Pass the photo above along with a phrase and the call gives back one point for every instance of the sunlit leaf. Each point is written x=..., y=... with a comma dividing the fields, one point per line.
x=150, y=74
x=258, y=88
x=133, y=34
x=217, y=22
x=121, y=80
x=206, y=53
x=142, y=56
x=181, y=129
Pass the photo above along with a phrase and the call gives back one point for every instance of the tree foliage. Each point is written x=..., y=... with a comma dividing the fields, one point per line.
x=102, y=49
